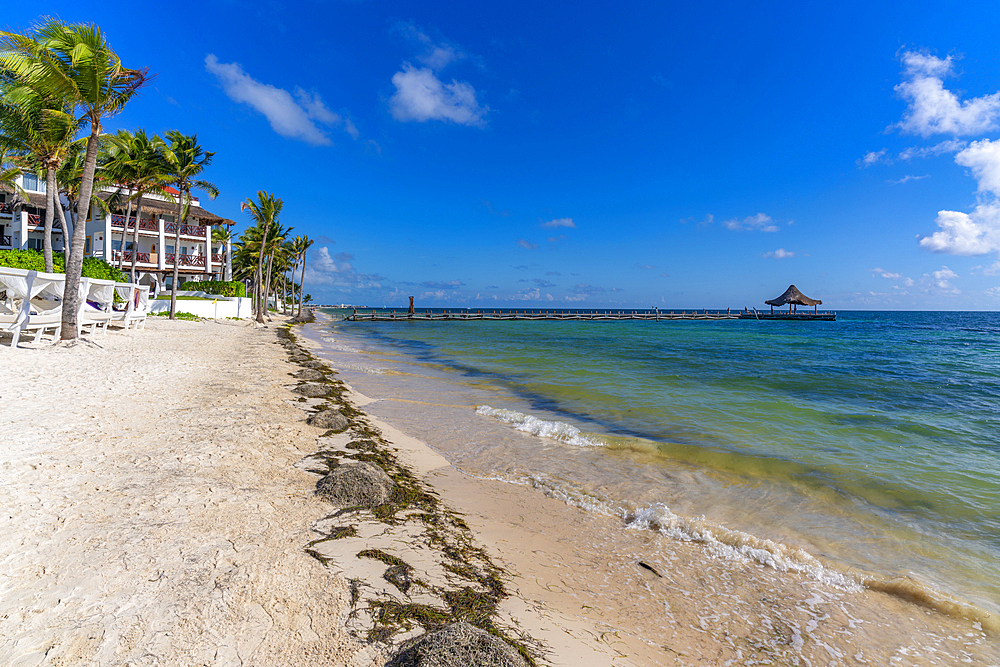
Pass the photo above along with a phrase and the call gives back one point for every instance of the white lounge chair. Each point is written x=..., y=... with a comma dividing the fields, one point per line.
x=137, y=304
x=33, y=302
x=96, y=301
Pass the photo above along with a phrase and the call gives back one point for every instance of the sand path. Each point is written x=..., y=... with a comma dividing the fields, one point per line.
x=151, y=514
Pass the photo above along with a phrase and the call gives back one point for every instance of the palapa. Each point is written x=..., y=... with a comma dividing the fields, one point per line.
x=792, y=295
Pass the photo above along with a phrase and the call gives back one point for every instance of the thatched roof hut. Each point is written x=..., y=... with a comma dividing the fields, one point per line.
x=793, y=297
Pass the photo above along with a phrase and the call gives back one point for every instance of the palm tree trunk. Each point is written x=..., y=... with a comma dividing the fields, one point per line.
x=50, y=211
x=260, y=276
x=267, y=283
x=302, y=281
x=177, y=253
x=135, y=237
x=121, y=252
x=74, y=261
x=67, y=229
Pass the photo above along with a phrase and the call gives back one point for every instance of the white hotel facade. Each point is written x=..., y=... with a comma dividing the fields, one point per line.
x=199, y=258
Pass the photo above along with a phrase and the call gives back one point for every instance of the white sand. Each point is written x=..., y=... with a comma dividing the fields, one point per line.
x=151, y=511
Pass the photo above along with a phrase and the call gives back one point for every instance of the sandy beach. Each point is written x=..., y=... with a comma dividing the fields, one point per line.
x=160, y=509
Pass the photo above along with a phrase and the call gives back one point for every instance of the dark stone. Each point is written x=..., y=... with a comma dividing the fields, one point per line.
x=312, y=389
x=356, y=484
x=310, y=374
x=457, y=645
x=331, y=420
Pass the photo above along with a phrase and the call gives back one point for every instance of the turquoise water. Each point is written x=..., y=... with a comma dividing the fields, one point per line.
x=873, y=441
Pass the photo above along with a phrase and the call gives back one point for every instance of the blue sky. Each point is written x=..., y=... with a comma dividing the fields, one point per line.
x=594, y=154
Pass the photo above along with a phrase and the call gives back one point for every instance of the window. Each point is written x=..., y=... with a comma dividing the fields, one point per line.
x=86, y=247
x=32, y=182
x=117, y=245
x=35, y=244
x=170, y=249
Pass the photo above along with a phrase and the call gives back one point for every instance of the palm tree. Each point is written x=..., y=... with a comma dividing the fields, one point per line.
x=43, y=130
x=224, y=235
x=9, y=171
x=185, y=159
x=264, y=212
x=72, y=62
x=301, y=245
x=275, y=243
x=135, y=161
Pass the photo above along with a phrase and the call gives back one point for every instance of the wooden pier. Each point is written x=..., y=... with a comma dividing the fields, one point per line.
x=579, y=316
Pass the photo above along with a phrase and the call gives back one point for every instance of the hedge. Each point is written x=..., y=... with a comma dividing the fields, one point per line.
x=33, y=260
x=220, y=287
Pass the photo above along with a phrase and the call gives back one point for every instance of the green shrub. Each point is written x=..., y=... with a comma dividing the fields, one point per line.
x=33, y=260
x=219, y=287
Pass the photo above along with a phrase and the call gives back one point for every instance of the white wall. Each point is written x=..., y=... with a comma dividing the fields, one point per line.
x=225, y=307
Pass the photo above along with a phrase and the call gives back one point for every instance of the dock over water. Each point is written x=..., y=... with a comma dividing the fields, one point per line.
x=386, y=315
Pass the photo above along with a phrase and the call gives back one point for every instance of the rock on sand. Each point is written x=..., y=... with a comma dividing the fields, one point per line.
x=354, y=484
x=457, y=645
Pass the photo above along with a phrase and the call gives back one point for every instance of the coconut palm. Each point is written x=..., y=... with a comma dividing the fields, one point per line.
x=184, y=160
x=264, y=212
x=274, y=242
x=73, y=62
x=134, y=161
x=9, y=170
x=301, y=245
x=43, y=130
x=224, y=235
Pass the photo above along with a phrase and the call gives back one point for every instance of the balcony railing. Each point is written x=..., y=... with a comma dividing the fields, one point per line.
x=186, y=260
x=216, y=259
x=142, y=257
x=6, y=207
x=145, y=224
x=38, y=220
x=186, y=230
x=5, y=241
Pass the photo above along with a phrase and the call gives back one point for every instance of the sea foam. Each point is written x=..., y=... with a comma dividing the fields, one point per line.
x=553, y=430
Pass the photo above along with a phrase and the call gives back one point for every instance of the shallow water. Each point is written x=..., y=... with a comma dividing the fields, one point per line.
x=868, y=442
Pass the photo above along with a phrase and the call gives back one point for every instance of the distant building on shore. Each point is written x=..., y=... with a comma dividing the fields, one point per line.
x=199, y=258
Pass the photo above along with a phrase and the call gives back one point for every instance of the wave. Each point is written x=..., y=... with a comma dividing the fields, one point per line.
x=724, y=543
x=553, y=430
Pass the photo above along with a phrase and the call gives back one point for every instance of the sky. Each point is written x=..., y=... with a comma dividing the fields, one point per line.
x=575, y=155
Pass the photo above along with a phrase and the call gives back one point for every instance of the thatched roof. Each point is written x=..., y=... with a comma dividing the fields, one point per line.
x=37, y=199
x=166, y=208
x=793, y=295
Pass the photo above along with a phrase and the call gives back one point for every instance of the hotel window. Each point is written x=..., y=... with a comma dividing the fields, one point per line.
x=86, y=246
x=170, y=249
x=35, y=244
x=33, y=183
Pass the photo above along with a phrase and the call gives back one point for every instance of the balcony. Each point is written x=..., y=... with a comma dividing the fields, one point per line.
x=186, y=230
x=6, y=207
x=5, y=241
x=145, y=224
x=38, y=220
x=141, y=258
x=185, y=260
x=216, y=258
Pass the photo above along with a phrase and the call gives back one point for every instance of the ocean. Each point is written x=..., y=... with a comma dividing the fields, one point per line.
x=872, y=443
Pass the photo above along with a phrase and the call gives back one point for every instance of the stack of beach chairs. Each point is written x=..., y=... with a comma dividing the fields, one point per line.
x=32, y=302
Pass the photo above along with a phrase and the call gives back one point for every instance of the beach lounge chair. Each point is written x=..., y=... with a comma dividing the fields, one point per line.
x=96, y=301
x=136, y=299
x=32, y=303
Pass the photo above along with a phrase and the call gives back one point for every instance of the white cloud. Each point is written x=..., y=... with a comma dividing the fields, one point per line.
x=932, y=109
x=559, y=222
x=421, y=96
x=322, y=269
x=436, y=54
x=780, y=253
x=983, y=158
x=886, y=274
x=992, y=270
x=288, y=117
x=872, y=157
x=946, y=146
x=760, y=222
x=975, y=233
x=908, y=282
x=941, y=278
x=527, y=245
x=906, y=179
